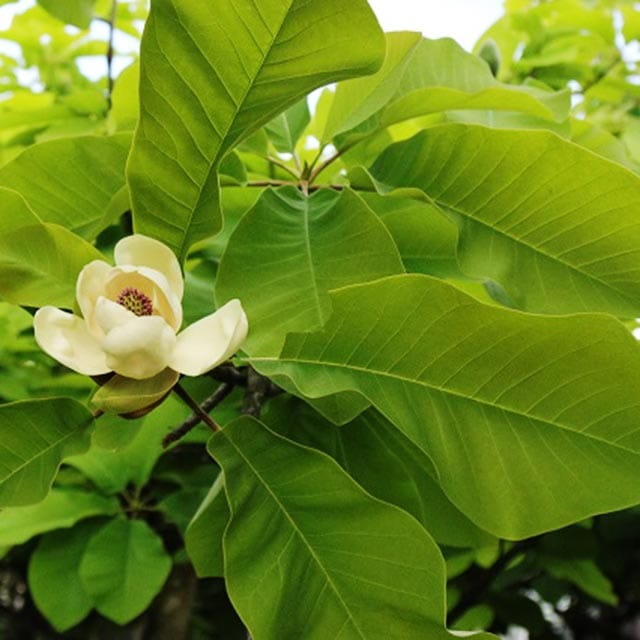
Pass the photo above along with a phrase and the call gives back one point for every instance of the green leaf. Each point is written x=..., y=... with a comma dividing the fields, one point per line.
x=76, y=12
x=213, y=74
x=530, y=421
x=383, y=462
x=285, y=129
x=15, y=211
x=422, y=76
x=62, y=508
x=54, y=580
x=333, y=562
x=324, y=241
x=203, y=537
x=554, y=224
x=112, y=471
x=35, y=436
x=123, y=568
x=585, y=574
x=74, y=193
x=39, y=265
x=427, y=240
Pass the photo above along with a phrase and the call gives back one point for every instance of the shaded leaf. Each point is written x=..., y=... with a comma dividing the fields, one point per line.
x=54, y=580
x=62, y=508
x=554, y=224
x=203, y=537
x=123, y=568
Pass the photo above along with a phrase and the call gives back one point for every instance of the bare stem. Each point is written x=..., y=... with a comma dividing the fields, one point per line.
x=110, y=51
x=195, y=407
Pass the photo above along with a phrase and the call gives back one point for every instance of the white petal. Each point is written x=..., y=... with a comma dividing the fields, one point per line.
x=210, y=341
x=140, y=348
x=152, y=284
x=66, y=338
x=110, y=315
x=89, y=287
x=139, y=250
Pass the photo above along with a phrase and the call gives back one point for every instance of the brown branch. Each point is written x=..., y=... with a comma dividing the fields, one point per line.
x=182, y=393
x=196, y=418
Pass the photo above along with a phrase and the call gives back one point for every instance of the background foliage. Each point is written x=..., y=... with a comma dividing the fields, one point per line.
x=433, y=424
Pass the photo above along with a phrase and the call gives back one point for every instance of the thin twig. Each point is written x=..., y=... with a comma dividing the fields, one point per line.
x=182, y=393
x=329, y=161
x=110, y=52
x=195, y=418
x=271, y=183
x=283, y=166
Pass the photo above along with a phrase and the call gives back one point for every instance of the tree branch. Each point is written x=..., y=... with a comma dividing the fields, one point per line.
x=110, y=52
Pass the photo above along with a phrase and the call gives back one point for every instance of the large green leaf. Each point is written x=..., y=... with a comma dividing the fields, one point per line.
x=554, y=224
x=74, y=193
x=39, y=265
x=421, y=76
x=290, y=250
x=62, y=508
x=384, y=462
x=212, y=73
x=54, y=580
x=123, y=568
x=530, y=421
x=35, y=436
x=334, y=562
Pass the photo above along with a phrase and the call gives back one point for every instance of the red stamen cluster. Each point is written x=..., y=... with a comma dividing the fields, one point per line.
x=136, y=301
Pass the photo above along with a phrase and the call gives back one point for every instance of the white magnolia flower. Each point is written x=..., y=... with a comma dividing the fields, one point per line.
x=131, y=314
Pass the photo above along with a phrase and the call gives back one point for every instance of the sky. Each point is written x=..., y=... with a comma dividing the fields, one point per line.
x=463, y=20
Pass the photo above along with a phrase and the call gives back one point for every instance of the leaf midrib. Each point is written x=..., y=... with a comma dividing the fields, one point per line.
x=443, y=390
x=440, y=205
x=294, y=526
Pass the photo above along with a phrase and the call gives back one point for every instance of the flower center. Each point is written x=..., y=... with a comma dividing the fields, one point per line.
x=134, y=300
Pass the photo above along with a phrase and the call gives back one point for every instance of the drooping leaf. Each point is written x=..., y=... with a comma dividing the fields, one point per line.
x=35, y=436
x=54, y=580
x=422, y=76
x=123, y=568
x=530, y=421
x=554, y=224
x=290, y=250
x=326, y=567
x=40, y=265
x=383, y=462
x=61, y=509
x=75, y=192
x=213, y=74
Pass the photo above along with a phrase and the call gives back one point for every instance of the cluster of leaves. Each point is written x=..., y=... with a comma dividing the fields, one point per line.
x=439, y=267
